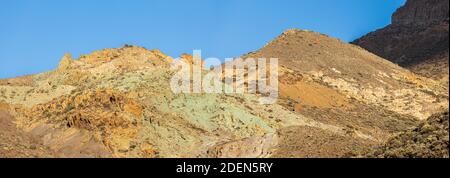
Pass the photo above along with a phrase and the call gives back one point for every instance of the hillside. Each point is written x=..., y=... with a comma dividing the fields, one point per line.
x=334, y=74
x=417, y=38
x=335, y=98
x=342, y=84
x=118, y=103
x=428, y=140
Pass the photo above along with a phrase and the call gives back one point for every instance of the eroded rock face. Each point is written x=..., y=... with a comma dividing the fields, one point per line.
x=416, y=39
x=103, y=118
x=421, y=12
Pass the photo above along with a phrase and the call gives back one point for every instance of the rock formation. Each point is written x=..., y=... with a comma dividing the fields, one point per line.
x=417, y=38
x=422, y=13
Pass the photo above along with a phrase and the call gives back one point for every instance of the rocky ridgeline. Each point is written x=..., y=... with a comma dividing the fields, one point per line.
x=422, y=13
x=417, y=38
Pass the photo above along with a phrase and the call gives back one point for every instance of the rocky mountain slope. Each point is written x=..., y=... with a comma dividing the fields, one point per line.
x=335, y=98
x=428, y=140
x=15, y=142
x=341, y=84
x=417, y=38
x=333, y=74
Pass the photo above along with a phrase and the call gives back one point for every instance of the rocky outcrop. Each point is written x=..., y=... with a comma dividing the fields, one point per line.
x=422, y=12
x=65, y=63
x=102, y=116
x=416, y=39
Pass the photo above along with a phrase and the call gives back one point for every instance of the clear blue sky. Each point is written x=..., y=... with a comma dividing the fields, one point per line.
x=34, y=34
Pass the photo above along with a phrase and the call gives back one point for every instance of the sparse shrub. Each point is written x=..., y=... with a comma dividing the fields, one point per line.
x=69, y=108
x=127, y=46
x=46, y=114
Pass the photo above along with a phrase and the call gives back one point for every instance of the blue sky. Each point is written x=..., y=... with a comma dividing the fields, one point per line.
x=34, y=34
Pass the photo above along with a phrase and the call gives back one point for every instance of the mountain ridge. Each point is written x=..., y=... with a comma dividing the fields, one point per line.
x=118, y=103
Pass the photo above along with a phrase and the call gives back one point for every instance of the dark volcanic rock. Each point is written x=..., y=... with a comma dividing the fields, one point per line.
x=417, y=38
x=421, y=12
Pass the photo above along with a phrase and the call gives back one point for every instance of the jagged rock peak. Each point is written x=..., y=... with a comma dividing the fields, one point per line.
x=66, y=62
